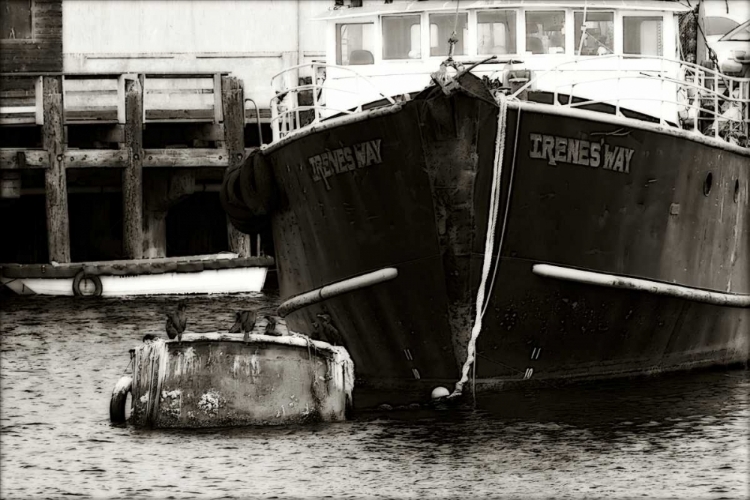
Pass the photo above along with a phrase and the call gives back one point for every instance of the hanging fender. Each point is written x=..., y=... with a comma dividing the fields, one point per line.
x=258, y=185
x=119, y=399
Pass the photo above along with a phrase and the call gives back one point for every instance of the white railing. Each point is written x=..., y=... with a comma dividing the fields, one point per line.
x=675, y=93
x=689, y=96
x=287, y=115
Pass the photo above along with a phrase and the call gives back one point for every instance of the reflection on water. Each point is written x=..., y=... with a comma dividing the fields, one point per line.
x=683, y=436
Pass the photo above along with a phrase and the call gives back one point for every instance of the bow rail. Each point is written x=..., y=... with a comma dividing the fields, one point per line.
x=682, y=94
x=298, y=105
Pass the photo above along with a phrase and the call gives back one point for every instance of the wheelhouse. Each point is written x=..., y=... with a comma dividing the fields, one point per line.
x=624, y=53
x=413, y=33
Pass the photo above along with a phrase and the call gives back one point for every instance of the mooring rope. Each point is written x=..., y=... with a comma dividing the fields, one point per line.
x=453, y=40
x=489, y=244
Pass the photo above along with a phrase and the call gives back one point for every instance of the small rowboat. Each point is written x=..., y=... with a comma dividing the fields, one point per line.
x=204, y=274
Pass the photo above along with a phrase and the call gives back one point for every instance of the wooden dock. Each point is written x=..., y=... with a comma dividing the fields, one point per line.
x=105, y=121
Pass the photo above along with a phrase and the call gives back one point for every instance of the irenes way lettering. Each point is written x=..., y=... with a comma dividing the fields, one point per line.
x=556, y=150
x=346, y=159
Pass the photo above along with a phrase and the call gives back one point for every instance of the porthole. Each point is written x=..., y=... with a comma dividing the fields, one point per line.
x=707, y=184
x=736, y=190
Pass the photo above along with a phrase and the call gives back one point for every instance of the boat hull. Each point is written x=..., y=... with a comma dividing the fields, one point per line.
x=410, y=188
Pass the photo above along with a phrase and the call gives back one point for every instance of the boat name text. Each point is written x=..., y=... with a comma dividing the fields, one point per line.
x=557, y=149
x=346, y=159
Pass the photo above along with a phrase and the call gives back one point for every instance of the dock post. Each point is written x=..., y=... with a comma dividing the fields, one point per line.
x=233, y=104
x=55, y=181
x=132, y=174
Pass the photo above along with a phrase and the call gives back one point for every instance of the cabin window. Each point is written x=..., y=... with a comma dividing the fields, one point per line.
x=600, y=33
x=402, y=37
x=355, y=44
x=496, y=32
x=15, y=19
x=545, y=32
x=643, y=36
x=441, y=28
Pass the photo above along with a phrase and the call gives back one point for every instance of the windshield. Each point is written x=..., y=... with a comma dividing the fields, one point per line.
x=739, y=34
x=719, y=25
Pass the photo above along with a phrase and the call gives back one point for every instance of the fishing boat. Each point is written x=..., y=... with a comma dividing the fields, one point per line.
x=493, y=193
x=200, y=274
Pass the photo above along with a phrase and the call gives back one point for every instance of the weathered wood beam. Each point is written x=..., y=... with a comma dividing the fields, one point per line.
x=92, y=158
x=34, y=158
x=233, y=105
x=188, y=157
x=55, y=182
x=132, y=174
x=118, y=158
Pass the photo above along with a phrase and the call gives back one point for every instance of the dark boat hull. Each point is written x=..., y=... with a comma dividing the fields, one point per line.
x=410, y=188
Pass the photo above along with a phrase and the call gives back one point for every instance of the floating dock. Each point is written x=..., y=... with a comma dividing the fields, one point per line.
x=221, y=379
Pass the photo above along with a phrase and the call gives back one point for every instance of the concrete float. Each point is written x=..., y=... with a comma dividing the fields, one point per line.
x=223, y=379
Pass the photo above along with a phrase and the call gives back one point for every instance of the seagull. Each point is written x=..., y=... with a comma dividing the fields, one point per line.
x=244, y=321
x=176, y=322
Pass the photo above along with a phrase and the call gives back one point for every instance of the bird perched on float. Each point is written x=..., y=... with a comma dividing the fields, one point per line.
x=177, y=321
x=244, y=321
x=330, y=332
x=271, y=327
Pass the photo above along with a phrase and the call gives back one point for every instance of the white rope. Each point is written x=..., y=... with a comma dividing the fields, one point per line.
x=489, y=244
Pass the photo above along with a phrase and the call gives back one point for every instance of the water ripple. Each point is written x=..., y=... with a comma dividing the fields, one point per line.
x=682, y=436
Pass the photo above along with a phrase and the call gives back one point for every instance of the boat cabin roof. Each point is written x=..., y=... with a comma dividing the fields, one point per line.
x=379, y=7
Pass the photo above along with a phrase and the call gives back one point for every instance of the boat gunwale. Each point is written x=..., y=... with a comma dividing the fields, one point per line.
x=520, y=105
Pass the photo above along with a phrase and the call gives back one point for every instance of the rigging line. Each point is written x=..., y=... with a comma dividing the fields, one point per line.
x=129, y=363
x=584, y=27
x=455, y=18
x=453, y=40
x=507, y=209
x=500, y=363
x=489, y=244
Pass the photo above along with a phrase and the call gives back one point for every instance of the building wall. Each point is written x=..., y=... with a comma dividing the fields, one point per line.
x=251, y=39
x=43, y=50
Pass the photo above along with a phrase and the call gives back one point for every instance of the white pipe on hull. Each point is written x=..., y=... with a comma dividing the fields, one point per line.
x=649, y=286
x=345, y=286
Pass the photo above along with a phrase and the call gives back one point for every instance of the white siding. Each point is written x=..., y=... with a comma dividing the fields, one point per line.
x=253, y=39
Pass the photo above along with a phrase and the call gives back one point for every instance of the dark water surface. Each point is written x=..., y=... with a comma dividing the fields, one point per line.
x=683, y=436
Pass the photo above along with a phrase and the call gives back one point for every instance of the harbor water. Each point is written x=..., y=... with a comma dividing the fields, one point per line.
x=674, y=436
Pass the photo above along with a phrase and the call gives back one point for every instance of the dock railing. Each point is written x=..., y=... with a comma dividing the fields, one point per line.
x=685, y=95
x=298, y=105
x=54, y=122
x=99, y=98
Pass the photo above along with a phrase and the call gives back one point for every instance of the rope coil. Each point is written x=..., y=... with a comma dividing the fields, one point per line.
x=489, y=244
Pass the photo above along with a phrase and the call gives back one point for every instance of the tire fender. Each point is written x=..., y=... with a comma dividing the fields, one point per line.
x=119, y=399
x=77, y=284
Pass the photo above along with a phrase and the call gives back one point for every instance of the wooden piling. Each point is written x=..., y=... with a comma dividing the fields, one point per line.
x=239, y=242
x=233, y=104
x=164, y=189
x=55, y=182
x=132, y=174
